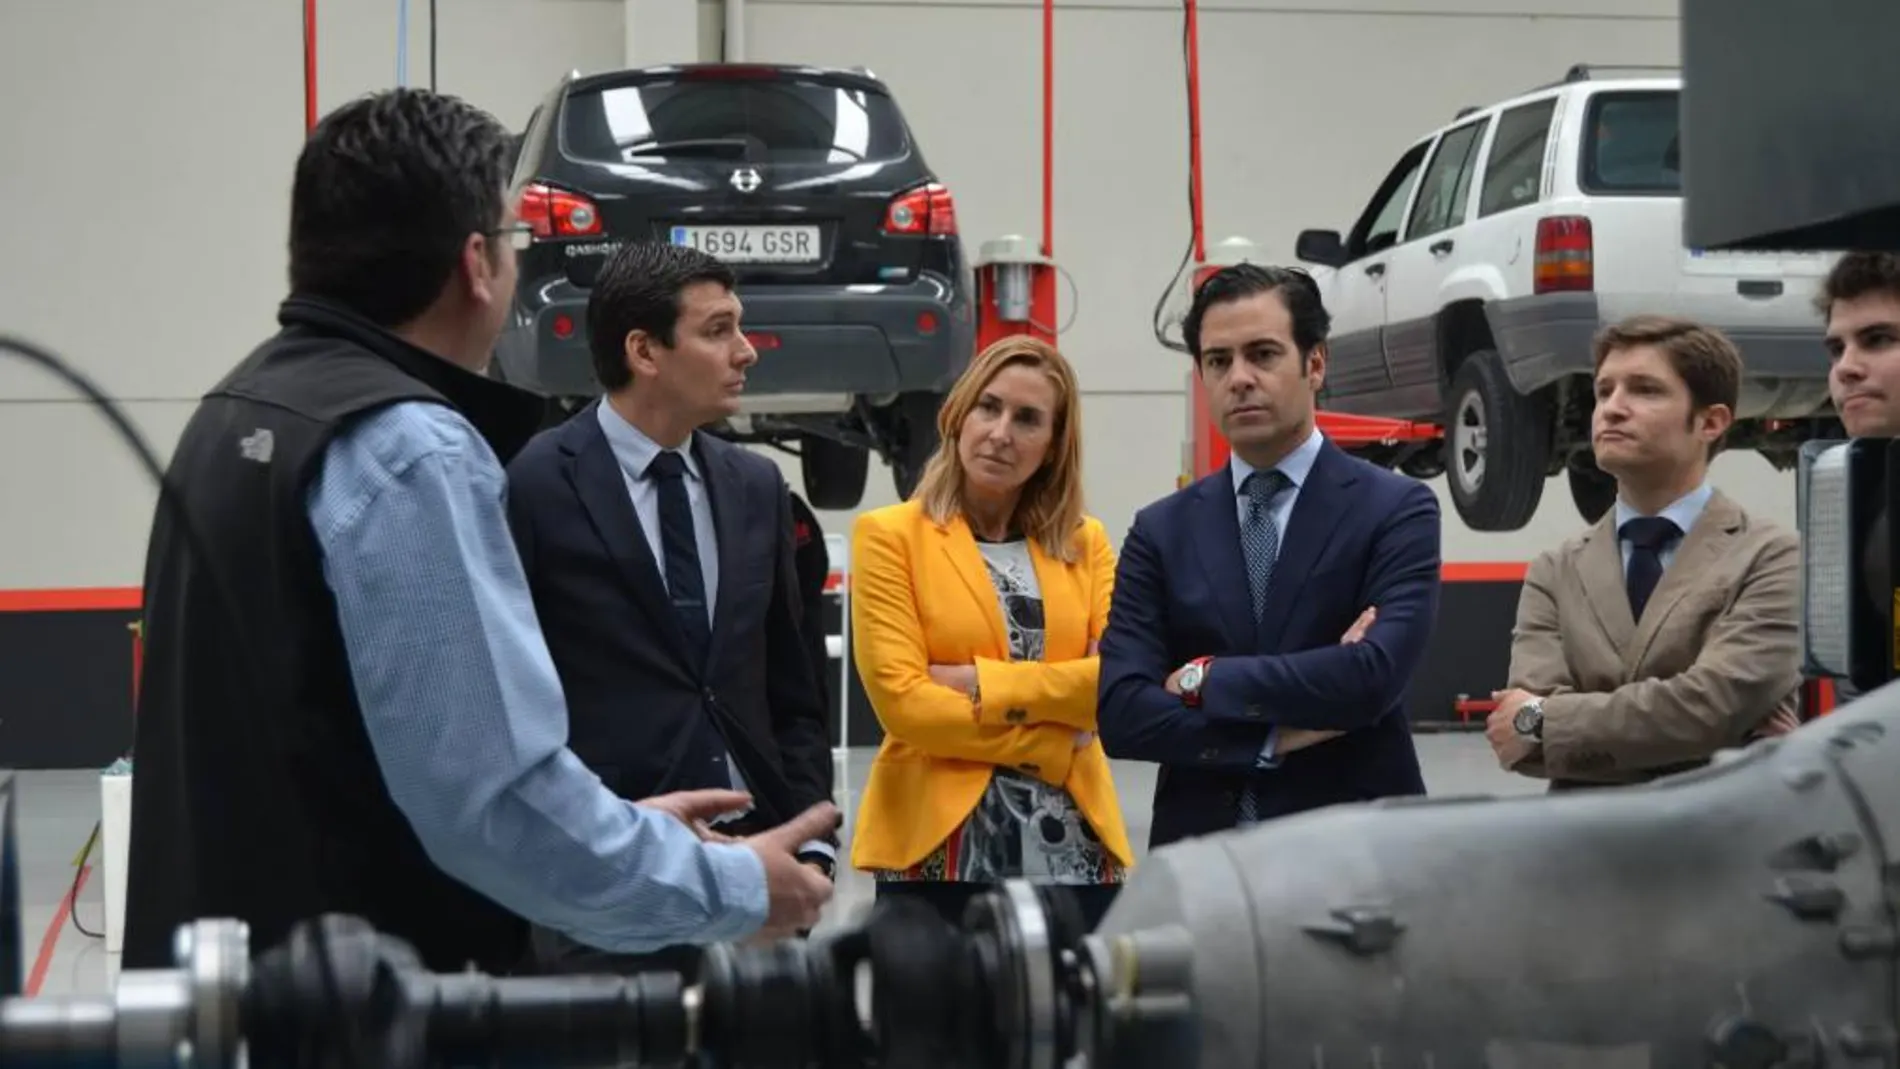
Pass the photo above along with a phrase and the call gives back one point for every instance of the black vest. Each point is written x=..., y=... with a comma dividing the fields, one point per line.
x=256, y=794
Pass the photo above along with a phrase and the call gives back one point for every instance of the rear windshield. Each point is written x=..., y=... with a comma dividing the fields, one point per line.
x=777, y=120
x=1631, y=144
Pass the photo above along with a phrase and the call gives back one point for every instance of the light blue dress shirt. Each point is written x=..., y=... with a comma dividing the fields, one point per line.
x=465, y=712
x=634, y=451
x=1296, y=466
x=1685, y=510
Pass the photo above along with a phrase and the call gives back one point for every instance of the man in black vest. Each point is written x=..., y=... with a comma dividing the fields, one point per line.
x=347, y=703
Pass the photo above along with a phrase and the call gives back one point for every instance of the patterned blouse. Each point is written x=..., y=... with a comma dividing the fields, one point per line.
x=1021, y=827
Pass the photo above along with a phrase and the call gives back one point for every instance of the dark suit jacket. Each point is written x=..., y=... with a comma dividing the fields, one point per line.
x=1358, y=536
x=812, y=562
x=637, y=706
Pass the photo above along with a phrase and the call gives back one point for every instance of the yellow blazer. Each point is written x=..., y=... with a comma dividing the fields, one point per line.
x=921, y=595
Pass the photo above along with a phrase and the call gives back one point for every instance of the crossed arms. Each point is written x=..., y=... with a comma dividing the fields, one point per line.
x=1330, y=688
x=1748, y=666
x=1027, y=715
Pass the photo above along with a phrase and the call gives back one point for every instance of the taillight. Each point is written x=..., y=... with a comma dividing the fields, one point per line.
x=556, y=213
x=927, y=209
x=1565, y=260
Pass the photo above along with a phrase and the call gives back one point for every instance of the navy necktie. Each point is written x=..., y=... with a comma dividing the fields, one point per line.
x=1648, y=536
x=685, y=582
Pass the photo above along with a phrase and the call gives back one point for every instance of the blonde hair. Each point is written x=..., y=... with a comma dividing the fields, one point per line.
x=1050, y=509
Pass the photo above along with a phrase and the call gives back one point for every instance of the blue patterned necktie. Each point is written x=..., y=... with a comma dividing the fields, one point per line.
x=1260, y=542
x=1260, y=535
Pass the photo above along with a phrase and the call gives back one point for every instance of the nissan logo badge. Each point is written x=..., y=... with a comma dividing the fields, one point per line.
x=745, y=179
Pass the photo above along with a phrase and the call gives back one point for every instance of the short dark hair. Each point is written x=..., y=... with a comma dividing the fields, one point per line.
x=1297, y=291
x=1856, y=274
x=1709, y=363
x=388, y=189
x=639, y=289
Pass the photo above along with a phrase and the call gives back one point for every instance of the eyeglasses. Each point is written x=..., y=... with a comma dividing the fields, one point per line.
x=520, y=235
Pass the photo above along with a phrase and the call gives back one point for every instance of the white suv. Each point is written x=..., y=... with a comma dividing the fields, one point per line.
x=1471, y=295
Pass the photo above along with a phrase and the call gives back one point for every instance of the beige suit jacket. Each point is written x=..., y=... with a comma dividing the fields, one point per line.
x=1718, y=649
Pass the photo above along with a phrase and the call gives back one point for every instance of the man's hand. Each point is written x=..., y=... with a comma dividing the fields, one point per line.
x=1174, y=680
x=1782, y=722
x=1500, y=728
x=1360, y=626
x=697, y=809
x=958, y=677
x=798, y=891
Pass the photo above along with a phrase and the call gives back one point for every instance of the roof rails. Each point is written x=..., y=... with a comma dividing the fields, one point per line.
x=1468, y=109
x=1583, y=72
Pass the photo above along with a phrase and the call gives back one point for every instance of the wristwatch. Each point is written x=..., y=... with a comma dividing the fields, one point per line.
x=1193, y=674
x=1529, y=721
x=822, y=862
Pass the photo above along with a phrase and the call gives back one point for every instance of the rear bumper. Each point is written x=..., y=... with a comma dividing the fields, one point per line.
x=1550, y=336
x=815, y=342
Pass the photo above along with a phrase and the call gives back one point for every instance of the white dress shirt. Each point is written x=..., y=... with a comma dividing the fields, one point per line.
x=1684, y=511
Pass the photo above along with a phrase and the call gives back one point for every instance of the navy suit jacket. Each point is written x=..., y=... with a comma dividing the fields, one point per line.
x=1359, y=536
x=638, y=707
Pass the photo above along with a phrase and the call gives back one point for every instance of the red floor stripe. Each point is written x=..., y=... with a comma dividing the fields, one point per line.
x=50, y=941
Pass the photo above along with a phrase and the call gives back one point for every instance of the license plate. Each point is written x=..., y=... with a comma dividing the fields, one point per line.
x=752, y=244
x=1762, y=263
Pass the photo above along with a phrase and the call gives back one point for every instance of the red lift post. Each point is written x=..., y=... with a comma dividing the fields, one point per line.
x=1015, y=278
x=1208, y=449
x=309, y=66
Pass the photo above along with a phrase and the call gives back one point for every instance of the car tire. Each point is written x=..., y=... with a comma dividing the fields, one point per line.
x=916, y=440
x=1591, y=489
x=834, y=472
x=1497, y=446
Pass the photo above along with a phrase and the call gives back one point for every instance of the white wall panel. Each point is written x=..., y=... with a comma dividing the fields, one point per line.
x=148, y=188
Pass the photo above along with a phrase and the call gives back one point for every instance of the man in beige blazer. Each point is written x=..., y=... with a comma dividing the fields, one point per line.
x=1669, y=630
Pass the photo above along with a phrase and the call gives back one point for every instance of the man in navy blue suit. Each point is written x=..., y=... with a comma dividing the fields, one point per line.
x=1267, y=619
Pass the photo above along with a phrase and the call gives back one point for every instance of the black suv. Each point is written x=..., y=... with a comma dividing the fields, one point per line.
x=808, y=182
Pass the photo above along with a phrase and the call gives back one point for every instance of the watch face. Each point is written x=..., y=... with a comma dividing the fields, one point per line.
x=1191, y=679
x=1528, y=719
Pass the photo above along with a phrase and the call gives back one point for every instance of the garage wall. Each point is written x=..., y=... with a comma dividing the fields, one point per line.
x=150, y=247
x=148, y=192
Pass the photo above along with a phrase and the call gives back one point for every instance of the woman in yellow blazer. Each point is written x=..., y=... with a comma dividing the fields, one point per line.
x=975, y=611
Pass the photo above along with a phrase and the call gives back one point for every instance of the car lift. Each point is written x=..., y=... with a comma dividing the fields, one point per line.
x=1379, y=439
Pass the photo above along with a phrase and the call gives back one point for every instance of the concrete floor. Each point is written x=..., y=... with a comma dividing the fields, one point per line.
x=58, y=809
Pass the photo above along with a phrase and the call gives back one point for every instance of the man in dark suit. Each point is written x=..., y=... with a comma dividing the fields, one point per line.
x=1267, y=619
x=661, y=564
